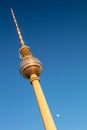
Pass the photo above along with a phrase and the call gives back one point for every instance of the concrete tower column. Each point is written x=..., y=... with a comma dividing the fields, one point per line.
x=44, y=109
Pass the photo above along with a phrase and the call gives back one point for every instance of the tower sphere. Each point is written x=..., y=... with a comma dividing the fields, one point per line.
x=30, y=65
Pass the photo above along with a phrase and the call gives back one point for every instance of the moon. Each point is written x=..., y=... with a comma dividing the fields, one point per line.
x=57, y=115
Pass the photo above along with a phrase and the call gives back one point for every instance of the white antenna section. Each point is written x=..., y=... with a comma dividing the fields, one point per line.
x=18, y=30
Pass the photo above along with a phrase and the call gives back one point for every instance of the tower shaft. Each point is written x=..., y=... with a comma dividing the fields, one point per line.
x=44, y=109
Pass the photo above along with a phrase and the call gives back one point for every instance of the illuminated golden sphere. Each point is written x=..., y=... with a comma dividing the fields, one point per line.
x=30, y=65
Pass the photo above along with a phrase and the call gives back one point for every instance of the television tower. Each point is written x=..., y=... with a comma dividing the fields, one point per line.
x=30, y=68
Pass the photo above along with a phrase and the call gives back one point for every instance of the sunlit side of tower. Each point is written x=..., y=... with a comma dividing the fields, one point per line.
x=30, y=68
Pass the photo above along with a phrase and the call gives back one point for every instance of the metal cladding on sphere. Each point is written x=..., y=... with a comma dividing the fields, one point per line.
x=30, y=65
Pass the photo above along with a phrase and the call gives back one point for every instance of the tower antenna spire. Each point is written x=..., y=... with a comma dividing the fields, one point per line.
x=18, y=30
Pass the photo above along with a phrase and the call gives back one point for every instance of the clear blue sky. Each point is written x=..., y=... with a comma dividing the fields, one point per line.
x=56, y=32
